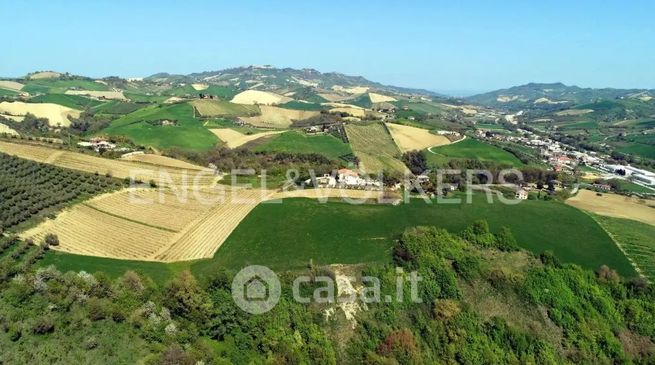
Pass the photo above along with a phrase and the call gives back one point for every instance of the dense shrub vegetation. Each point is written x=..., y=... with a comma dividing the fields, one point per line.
x=482, y=302
x=29, y=188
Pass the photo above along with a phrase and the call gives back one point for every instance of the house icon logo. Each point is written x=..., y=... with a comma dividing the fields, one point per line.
x=256, y=289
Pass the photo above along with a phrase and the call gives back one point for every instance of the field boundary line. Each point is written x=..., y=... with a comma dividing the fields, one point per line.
x=130, y=220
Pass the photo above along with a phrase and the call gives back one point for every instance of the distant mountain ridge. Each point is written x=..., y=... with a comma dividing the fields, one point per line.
x=553, y=94
x=271, y=78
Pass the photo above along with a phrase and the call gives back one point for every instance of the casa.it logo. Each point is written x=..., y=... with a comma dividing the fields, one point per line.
x=256, y=289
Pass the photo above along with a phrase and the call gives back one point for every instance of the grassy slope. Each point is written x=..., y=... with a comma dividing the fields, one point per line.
x=55, y=86
x=118, y=107
x=188, y=133
x=288, y=235
x=297, y=105
x=292, y=233
x=71, y=101
x=471, y=149
x=292, y=141
x=6, y=92
x=159, y=272
x=636, y=238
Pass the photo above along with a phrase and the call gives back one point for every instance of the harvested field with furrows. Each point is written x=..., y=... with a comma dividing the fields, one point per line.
x=161, y=161
x=150, y=225
x=411, y=138
x=375, y=148
x=168, y=210
x=274, y=117
x=162, y=175
x=219, y=108
x=206, y=234
x=613, y=205
x=87, y=231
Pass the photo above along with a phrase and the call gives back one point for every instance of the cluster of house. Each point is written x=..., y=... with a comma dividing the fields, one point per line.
x=97, y=144
x=347, y=179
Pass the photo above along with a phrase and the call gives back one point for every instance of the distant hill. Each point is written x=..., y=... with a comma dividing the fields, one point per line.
x=287, y=80
x=553, y=96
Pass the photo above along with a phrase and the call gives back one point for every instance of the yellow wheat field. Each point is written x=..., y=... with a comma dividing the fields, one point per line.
x=115, y=95
x=57, y=114
x=199, y=87
x=379, y=98
x=11, y=85
x=355, y=112
x=234, y=139
x=260, y=98
x=150, y=225
x=44, y=75
x=161, y=161
x=411, y=138
x=274, y=117
x=614, y=205
x=6, y=130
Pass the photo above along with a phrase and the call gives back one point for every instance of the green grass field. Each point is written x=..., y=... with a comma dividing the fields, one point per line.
x=187, y=134
x=159, y=272
x=6, y=92
x=422, y=107
x=118, y=107
x=298, y=105
x=143, y=98
x=578, y=125
x=71, y=101
x=490, y=126
x=471, y=149
x=374, y=147
x=226, y=123
x=293, y=141
x=56, y=86
x=636, y=238
x=629, y=186
x=289, y=235
x=644, y=147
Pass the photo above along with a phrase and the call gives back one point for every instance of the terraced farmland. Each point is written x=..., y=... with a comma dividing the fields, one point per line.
x=374, y=147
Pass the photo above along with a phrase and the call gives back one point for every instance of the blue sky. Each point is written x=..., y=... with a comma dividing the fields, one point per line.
x=450, y=45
